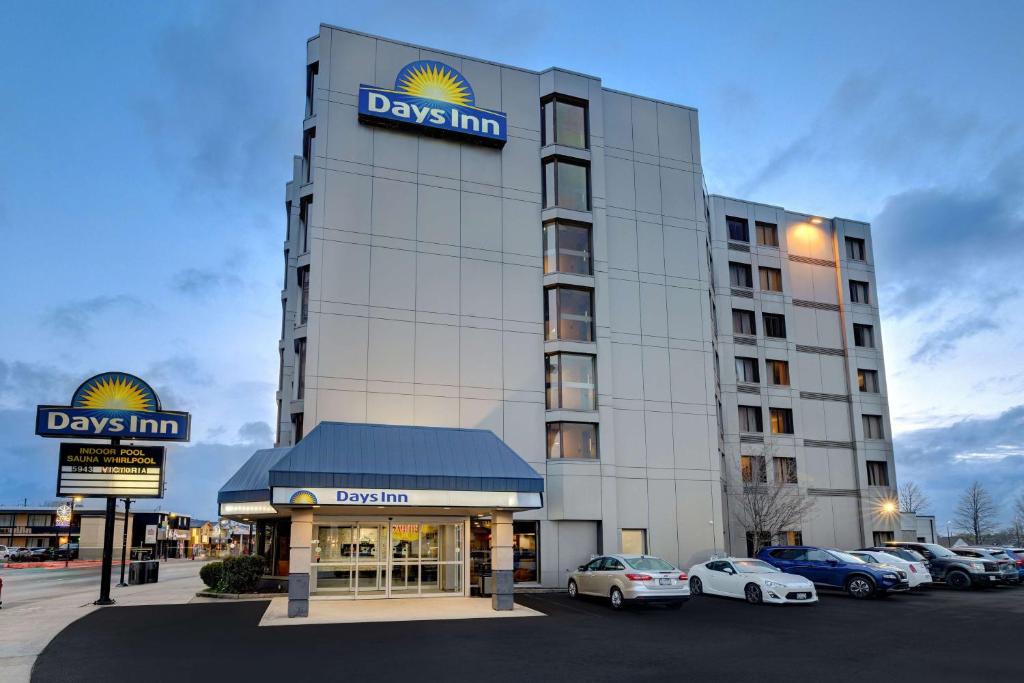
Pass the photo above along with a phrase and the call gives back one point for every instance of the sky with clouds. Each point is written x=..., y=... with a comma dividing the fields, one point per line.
x=145, y=146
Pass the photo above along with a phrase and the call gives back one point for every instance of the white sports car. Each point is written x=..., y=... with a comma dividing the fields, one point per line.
x=753, y=580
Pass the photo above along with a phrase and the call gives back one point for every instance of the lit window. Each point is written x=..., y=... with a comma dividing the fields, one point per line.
x=743, y=322
x=567, y=248
x=739, y=229
x=859, y=292
x=774, y=325
x=634, y=541
x=864, y=335
x=778, y=372
x=565, y=123
x=854, y=249
x=569, y=314
x=782, y=420
x=785, y=470
x=771, y=279
x=873, y=427
x=746, y=370
x=767, y=234
x=573, y=440
x=740, y=275
x=878, y=473
x=571, y=383
x=750, y=419
x=867, y=381
x=753, y=470
x=566, y=185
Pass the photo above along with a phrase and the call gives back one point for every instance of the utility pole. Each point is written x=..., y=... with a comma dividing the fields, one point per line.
x=124, y=539
x=108, y=545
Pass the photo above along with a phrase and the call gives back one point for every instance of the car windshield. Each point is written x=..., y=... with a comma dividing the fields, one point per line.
x=939, y=551
x=906, y=554
x=754, y=567
x=999, y=554
x=847, y=557
x=650, y=564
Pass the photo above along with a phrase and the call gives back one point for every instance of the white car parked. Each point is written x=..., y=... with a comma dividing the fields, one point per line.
x=752, y=580
x=917, y=573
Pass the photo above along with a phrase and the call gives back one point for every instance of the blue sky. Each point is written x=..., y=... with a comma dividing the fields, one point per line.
x=144, y=148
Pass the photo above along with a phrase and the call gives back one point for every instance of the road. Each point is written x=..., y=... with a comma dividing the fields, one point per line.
x=39, y=603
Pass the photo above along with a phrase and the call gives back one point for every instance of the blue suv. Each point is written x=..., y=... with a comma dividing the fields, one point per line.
x=834, y=568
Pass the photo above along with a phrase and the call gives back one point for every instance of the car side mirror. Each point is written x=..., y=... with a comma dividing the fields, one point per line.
x=582, y=568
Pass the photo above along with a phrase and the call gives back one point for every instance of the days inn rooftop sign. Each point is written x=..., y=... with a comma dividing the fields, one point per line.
x=113, y=405
x=434, y=98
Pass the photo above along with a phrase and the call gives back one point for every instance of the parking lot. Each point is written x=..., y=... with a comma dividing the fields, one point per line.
x=916, y=637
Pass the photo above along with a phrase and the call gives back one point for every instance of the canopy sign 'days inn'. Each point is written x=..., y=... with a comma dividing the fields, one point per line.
x=433, y=97
x=113, y=405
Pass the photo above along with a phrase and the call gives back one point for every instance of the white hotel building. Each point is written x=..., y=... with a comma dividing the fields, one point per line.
x=644, y=346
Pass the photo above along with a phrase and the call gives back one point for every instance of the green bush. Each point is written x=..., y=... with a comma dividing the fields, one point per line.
x=241, y=574
x=211, y=574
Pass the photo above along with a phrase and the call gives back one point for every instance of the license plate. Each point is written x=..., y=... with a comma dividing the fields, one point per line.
x=991, y=578
x=802, y=596
x=665, y=582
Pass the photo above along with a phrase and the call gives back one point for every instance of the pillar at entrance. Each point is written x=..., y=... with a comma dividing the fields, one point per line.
x=299, y=560
x=502, y=560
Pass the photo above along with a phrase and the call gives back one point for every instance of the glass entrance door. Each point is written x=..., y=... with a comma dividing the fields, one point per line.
x=397, y=559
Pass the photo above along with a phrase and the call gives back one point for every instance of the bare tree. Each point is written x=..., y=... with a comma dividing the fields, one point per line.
x=766, y=509
x=912, y=498
x=976, y=511
x=1017, y=521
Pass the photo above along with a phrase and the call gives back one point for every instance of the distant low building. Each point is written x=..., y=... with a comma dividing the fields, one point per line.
x=38, y=526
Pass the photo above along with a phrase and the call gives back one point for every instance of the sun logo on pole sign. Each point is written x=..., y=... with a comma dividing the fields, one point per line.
x=435, y=81
x=115, y=391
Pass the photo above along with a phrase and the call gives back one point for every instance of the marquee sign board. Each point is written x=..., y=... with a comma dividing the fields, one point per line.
x=93, y=470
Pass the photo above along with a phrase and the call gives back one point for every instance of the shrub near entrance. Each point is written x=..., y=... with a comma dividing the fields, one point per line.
x=240, y=574
x=211, y=574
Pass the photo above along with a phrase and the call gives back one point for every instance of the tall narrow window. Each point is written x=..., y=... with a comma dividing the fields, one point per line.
x=569, y=314
x=740, y=275
x=878, y=473
x=286, y=256
x=859, y=292
x=567, y=248
x=753, y=469
x=312, y=79
x=574, y=440
x=303, y=274
x=746, y=370
x=864, y=335
x=739, y=229
x=854, y=249
x=300, y=371
x=785, y=470
x=867, y=381
x=565, y=122
x=774, y=325
x=571, y=381
x=782, y=420
x=750, y=419
x=288, y=221
x=305, y=209
x=743, y=322
x=873, y=427
x=778, y=372
x=297, y=428
x=767, y=234
x=771, y=279
x=308, y=153
x=566, y=184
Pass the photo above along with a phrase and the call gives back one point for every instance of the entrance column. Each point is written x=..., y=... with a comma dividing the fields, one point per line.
x=502, y=560
x=299, y=561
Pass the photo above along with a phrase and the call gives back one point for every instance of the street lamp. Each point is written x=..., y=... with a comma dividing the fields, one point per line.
x=949, y=536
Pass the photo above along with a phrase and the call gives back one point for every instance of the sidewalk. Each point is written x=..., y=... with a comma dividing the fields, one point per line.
x=59, y=564
x=28, y=625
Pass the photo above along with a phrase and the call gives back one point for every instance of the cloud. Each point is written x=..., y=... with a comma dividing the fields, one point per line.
x=939, y=343
x=78, y=317
x=179, y=369
x=256, y=433
x=201, y=282
x=29, y=384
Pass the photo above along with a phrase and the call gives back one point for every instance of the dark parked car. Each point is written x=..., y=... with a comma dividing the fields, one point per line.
x=1007, y=567
x=830, y=567
x=40, y=554
x=945, y=565
x=66, y=551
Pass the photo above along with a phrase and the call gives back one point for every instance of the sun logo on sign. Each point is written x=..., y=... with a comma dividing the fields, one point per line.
x=435, y=81
x=115, y=391
x=303, y=497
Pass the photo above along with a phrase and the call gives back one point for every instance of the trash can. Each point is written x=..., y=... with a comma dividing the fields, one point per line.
x=152, y=571
x=136, y=573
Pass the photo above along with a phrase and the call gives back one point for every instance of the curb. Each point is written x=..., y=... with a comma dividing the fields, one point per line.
x=239, y=596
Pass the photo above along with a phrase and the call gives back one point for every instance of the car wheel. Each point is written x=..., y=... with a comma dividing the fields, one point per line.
x=958, y=580
x=696, y=586
x=860, y=587
x=574, y=590
x=616, y=599
x=753, y=594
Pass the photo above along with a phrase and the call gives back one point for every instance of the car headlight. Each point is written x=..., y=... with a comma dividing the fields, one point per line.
x=773, y=584
x=980, y=566
x=889, y=575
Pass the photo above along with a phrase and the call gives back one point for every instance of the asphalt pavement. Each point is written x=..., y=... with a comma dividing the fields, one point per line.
x=937, y=635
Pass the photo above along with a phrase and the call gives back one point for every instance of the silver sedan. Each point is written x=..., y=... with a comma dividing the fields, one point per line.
x=631, y=578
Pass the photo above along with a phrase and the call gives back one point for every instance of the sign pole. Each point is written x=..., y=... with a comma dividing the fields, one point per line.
x=108, y=545
x=124, y=539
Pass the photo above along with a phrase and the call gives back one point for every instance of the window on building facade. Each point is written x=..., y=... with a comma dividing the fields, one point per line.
x=308, y=154
x=753, y=470
x=790, y=538
x=303, y=276
x=778, y=372
x=743, y=322
x=574, y=440
x=312, y=79
x=785, y=470
x=288, y=221
x=752, y=548
x=571, y=381
x=6, y=520
x=565, y=122
x=634, y=541
x=305, y=210
x=286, y=256
x=746, y=370
x=859, y=292
x=40, y=520
x=880, y=538
x=525, y=552
x=873, y=427
x=775, y=325
x=767, y=234
x=567, y=248
x=854, y=249
x=878, y=473
x=739, y=229
x=569, y=314
x=771, y=279
x=300, y=371
x=750, y=419
x=864, y=335
x=297, y=432
x=782, y=420
x=566, y=184
x=867, y=381
x=740, y=275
